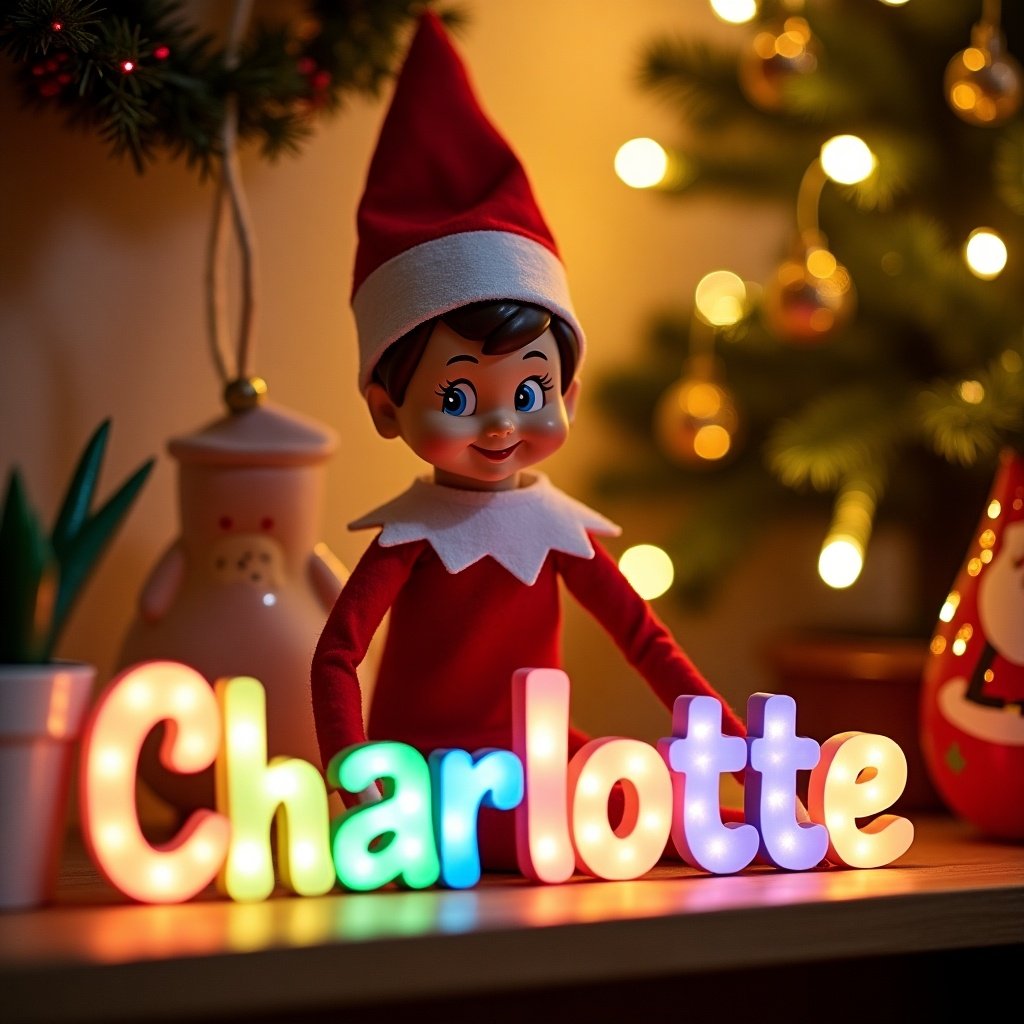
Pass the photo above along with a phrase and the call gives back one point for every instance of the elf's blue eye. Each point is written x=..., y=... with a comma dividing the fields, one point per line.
x=458, y=398
x=530, y=395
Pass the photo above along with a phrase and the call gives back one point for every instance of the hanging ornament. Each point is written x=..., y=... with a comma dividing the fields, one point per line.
x=810, y=298
x=695, y=420
x=972, y=708
x=777, y=56
x=983, y=83
x=247, y=586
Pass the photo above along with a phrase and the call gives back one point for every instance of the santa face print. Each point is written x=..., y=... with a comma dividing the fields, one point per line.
x=480, y=419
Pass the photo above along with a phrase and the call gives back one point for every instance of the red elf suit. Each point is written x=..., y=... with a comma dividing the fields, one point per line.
x=470, y=577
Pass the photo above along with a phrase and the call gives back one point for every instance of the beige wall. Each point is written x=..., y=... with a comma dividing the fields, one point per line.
x=101, y=313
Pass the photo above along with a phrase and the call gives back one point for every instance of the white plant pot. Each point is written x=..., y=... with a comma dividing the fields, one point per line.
x=42, y=709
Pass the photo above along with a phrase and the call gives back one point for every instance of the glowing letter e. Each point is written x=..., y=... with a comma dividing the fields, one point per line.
x=859, y=775
x=135, y=702
x=540, y=738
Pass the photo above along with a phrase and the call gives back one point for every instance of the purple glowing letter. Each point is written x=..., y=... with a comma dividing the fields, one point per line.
x=698, y=754
x=769, y=792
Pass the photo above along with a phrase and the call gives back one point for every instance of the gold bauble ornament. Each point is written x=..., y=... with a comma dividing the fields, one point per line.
x=776, y=56
x=696, y=422
x=809, y=299
x=984, y=82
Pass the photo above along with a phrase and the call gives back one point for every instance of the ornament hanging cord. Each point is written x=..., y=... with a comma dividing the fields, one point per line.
x=230, y=199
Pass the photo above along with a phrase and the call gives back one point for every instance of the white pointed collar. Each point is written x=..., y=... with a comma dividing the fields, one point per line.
x=516, y=528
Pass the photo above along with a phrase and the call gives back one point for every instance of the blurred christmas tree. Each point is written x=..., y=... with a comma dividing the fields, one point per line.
x=877, y=376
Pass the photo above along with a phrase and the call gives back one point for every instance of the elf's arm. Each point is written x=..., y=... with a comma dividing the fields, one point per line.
x=361, y=606
x=649, y=647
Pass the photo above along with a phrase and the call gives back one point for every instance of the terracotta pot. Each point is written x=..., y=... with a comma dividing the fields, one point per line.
x=858, y=683
x=42, y=709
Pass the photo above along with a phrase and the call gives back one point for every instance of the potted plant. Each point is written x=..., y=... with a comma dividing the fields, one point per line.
x=42, y=699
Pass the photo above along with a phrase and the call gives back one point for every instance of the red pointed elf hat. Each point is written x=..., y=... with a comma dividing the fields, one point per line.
x=448, y=216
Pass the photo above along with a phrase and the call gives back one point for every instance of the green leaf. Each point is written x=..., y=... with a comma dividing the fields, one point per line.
x=27, y=578
x=74, y=510
x=88, y=543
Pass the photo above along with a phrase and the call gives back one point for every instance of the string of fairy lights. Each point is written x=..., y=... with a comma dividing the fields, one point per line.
x=811, y=295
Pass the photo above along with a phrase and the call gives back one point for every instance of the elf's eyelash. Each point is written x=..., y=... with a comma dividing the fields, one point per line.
x=544, y=382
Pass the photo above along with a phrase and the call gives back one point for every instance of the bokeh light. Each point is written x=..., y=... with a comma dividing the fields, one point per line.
x=985, y=253
x=649, y=570
x=847, y=159
x=721, y=298
x=641, y=163
x=840, y=562
x=735, y=12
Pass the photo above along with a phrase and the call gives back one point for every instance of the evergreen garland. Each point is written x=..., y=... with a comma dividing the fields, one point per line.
x=914, y=400
x=136, y=73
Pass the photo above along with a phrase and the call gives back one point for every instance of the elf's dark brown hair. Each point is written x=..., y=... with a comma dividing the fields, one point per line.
x=502, y=326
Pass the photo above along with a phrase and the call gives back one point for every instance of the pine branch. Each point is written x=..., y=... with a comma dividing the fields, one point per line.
x=146, y=82
x=864, y=60
x=851, y=432
x=697, y=76
x=719, y=169
x=35, y=27
x=972, y=418
x=1008, y=167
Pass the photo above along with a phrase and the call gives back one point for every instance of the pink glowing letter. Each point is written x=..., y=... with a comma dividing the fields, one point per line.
x=634, y=845
x=540, y=738
x=769, y=791
x=134, y=702
x=698, y=755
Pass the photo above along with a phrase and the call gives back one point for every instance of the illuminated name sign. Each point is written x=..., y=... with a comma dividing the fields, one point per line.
x=423, y=830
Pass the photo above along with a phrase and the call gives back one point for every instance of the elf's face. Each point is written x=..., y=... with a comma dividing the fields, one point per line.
x=480, y=419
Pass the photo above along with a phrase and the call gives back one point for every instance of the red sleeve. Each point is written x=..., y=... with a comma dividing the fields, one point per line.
x=649, y=647
x=361, y=606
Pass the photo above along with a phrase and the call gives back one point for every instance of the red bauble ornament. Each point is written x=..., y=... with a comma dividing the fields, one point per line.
x=695, y=420
x=972, y=710
x=776, y=56
x=809, y=299
x=984, y=83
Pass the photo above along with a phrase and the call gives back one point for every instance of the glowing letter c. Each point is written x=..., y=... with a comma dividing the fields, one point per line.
x=134, y=702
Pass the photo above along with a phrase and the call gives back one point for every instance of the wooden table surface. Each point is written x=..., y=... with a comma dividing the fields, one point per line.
x=93, y=957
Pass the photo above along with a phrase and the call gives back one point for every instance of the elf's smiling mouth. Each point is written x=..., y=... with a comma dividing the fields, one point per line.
x=496, y=456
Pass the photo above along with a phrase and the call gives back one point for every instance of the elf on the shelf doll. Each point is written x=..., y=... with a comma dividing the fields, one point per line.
x=469, y=352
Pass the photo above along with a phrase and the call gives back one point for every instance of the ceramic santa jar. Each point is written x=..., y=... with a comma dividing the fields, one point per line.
x=246, y=588
x=973, y=695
